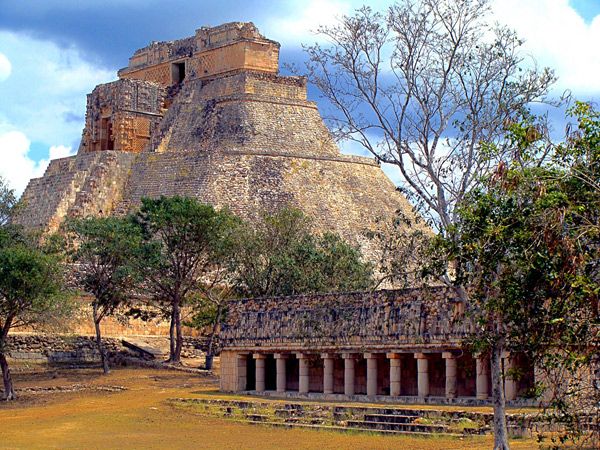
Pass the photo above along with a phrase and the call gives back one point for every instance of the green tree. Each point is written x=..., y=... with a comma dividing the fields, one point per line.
x=184, y=241
x=31, y=284
x=104, y=251
x=525, y=246
x=280, y=255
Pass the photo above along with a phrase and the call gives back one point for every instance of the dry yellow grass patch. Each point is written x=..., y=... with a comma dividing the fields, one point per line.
x=140, y=418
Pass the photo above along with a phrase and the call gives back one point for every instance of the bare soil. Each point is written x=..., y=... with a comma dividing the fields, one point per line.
x=128, y=409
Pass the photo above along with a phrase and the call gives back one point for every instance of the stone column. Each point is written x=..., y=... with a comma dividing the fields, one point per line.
x=450, y=374
x=395, y=373
x=422, y=374
x=303, y=364
x=371, y=374
x=349, y=371
x=481, y=382
x=510, y=385
x=281, y=375
x=327, y=373
x=242, y=371
x=260, y=371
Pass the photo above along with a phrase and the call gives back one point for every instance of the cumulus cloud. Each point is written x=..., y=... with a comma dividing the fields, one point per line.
x=309, y=15
x=5, y=67
x=557, y=37
x=51, y=87
x=17, y=166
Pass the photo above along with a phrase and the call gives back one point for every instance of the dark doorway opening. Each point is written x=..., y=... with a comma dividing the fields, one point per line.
x=107, y=141
x=250, y=373
x=178, y=72
x=270, y=373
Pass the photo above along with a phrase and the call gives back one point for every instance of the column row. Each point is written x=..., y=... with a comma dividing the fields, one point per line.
x=373, y=382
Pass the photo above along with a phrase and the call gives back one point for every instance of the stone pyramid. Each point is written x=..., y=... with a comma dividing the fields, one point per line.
x=208, y=116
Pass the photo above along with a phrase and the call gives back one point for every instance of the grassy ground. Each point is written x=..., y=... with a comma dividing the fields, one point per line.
x=140, y=417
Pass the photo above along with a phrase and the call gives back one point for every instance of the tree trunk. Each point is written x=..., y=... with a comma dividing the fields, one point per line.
x=101, y=347
x=179, y=335
x=172, y=336
x=209, y=351
x=9, y=390
x=500, y=431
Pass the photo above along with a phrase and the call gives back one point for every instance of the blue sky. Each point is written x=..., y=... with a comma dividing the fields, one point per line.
x=53, y=52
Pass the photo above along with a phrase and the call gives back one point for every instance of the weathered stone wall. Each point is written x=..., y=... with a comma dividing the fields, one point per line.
x=86, y=184
x=58, y=349
x=78, y=349
x=392, y=319
x=211, y=52
x=122, y=115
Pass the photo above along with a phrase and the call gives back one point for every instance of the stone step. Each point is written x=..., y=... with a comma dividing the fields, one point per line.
x=157, y=348
x=257, y=417
x=344, y=410
x=388, y=418
x=412, y=427
x=349, y=429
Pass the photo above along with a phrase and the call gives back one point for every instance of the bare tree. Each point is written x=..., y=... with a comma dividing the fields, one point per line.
x=422, y=86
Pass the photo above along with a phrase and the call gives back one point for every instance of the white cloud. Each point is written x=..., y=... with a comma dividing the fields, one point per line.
x=17, y=167
x=47, y=88
x=60, y=151
x=557, y=37
x=5, y=67
x=300, y=27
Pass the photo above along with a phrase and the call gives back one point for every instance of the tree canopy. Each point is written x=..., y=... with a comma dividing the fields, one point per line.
x=526, y=246
x=31, y=283
x=282, y=255
x=105, y=252
x=184, y=242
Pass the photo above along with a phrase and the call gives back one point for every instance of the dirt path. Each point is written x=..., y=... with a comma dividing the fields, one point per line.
x=140, y=418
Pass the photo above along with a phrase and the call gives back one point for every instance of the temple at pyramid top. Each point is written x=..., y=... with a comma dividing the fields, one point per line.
x=211, y=51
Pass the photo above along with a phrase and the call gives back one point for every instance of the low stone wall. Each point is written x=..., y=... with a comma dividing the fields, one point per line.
x=381, y=319
x=59, y=349
x=76, y=349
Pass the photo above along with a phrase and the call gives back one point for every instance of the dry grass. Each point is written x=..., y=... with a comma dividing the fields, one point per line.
x=140, y=418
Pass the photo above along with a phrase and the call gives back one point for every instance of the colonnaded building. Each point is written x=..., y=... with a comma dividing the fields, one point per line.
x=209, y=117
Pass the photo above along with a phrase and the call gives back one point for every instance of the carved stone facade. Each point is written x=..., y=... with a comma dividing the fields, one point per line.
x=391, y=346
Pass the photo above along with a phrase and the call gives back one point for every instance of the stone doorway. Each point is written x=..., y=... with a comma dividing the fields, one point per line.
x=177, y=72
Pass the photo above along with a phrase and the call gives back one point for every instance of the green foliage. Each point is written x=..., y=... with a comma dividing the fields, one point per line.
x=8, y=202
x=105, y=251
x=183, y=239
x=281, y=256
x=31, y=285
x=185, y=243
x=526, y=246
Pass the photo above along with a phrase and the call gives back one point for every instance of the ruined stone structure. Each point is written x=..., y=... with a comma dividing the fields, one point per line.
x=397, y=345
x=209, y=117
